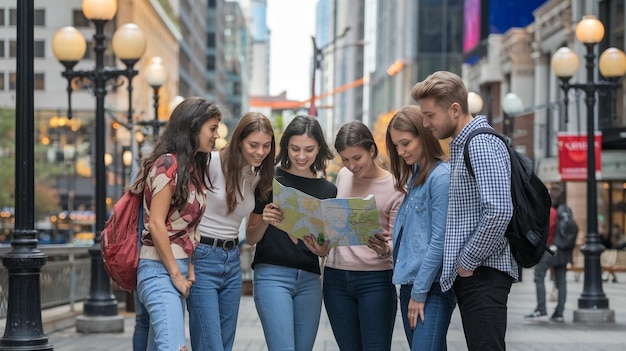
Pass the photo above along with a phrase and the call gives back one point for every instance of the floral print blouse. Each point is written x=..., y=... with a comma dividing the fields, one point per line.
x=182, y=225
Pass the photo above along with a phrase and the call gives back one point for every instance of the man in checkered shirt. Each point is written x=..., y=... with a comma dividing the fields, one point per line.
x=477, y=259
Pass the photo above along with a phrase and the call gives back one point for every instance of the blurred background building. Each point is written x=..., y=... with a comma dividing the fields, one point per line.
x=370, y=54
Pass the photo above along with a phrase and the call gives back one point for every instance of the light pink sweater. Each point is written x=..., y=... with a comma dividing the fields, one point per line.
x=388, y=199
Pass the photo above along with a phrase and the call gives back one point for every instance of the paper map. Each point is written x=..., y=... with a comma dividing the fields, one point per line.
x=342, y=221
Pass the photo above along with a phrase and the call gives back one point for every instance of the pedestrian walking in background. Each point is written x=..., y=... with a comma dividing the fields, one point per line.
x=359, y=297
x=287, y=287
x=419, y=167
x=562, y=239
x=173, y=179
x=245, y=164
x=477, y=260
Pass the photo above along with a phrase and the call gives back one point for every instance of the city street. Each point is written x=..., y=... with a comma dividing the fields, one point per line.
x=521, y=335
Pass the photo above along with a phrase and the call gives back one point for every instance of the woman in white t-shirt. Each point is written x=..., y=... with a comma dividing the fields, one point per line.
x=245, y=164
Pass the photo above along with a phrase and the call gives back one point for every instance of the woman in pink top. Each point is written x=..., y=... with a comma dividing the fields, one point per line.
x=359, y=297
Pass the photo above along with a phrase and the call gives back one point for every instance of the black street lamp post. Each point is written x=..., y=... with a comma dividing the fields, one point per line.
x=593, y=304
x=68, y=45
x=155, y=76
x=24, y=329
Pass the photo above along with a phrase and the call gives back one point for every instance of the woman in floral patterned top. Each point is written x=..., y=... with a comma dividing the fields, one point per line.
x=173, y=179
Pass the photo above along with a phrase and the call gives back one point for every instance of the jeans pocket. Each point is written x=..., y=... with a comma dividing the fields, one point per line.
x=200, y=252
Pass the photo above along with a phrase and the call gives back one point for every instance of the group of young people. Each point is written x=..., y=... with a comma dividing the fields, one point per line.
x=442, y=240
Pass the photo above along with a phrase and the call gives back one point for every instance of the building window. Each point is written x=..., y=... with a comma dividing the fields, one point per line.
x=210, y=40
x=39, y=17
x=79, y=19
x=39, y=49
x=1, y=81
x=12, y=48
x=40, y=81
x=12, y=81
x=1, y=17
x=1, y=48
x=12, y=17
x=210, y=63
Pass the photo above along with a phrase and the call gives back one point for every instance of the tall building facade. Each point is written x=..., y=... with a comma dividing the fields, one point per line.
x=389, y=46
x=325, y=28
x=517, y=60
x=415, y=38
x=193, y=22
x=237, y=45
x=348, y=54
x=214, y=75
x=69, y=142
x=259, y=61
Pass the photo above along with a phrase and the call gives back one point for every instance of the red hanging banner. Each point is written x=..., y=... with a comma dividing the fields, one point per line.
x=573, y=155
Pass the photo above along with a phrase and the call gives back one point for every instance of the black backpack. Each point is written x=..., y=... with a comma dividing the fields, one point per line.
x=566, y=229
x=528, y=229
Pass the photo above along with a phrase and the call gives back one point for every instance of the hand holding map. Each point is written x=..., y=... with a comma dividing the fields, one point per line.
x=342, y=221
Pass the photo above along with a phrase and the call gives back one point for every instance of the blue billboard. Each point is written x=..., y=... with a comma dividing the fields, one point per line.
x=484, y=17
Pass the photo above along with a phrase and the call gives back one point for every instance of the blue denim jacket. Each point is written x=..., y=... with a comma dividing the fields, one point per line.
x=422, y=219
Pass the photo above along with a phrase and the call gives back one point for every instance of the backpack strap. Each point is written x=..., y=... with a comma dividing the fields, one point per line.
x=140, y=221
x=482, y=130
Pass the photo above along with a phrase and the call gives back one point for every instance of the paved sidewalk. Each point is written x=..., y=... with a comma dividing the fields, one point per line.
x=521, y=335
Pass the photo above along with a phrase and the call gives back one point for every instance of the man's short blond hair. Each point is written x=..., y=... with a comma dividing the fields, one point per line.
x=445, y=87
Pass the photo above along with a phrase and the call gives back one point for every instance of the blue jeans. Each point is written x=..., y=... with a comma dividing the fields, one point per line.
x=482, y=302
x=142, y=325
x=289, y=304
x=164, y=303
x=560, y=271
x=430, y=334
x=213, y=301
x=361, y=307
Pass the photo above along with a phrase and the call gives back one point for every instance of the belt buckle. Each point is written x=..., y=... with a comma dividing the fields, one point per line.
x=228, y=244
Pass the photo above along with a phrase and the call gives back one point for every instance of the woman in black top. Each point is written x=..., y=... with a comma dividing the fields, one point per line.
x=287, y=287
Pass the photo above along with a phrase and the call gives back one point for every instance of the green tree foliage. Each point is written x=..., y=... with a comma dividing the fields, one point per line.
x=46, y=196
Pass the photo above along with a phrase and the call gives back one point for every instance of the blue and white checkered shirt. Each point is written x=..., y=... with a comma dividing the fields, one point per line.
x=480, y=208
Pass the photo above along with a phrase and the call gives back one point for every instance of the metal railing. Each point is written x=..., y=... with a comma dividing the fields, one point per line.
x=64, y=278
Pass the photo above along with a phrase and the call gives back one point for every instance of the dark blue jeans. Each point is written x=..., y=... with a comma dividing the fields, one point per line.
x=482, y=302
x=560, y=271
x=430, y=334
x=361, y=307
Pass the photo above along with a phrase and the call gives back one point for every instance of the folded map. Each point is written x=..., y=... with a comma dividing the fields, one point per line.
x=342, y=221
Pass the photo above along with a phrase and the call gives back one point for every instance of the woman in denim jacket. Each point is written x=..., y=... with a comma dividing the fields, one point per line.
x=417, y=160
